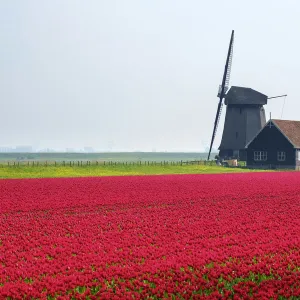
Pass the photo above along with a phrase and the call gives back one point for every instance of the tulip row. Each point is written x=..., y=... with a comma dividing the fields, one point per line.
x=174, y=236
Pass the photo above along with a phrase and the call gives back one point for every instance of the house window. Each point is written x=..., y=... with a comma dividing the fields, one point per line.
x=236, y=153
x=298, y=154
x=260, y=155
x=280, y=155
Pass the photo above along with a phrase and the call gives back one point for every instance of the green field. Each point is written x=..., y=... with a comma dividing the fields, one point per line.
x=24, y=171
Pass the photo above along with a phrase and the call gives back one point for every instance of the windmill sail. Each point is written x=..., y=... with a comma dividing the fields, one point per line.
x=223, y=89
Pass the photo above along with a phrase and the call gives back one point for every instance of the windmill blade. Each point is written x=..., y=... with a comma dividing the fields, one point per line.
x=217, y=118
x=223, y=89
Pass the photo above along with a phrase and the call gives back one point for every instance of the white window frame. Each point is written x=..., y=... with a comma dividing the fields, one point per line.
x=298, y=154
x=260, y=155
x=281, y=155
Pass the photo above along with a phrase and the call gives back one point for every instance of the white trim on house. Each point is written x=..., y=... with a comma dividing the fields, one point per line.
x=260, y=155
x=298, y=154
x=281, y=155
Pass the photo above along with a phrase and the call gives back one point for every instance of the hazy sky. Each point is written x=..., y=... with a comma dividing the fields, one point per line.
x=138, y=75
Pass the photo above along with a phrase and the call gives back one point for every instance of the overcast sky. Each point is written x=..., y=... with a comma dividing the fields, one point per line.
x=138, y=75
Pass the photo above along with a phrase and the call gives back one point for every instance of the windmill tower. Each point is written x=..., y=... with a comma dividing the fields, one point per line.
x=245, y=114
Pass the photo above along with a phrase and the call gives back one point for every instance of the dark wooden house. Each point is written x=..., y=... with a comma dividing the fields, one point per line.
x=276, y=145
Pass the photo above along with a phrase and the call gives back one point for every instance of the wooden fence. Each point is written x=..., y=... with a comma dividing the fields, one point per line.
x=106, y=163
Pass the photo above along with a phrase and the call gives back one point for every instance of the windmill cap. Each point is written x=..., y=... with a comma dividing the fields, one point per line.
x=244, y=96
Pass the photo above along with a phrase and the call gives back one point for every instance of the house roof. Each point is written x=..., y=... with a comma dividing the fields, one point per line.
x=290, y=129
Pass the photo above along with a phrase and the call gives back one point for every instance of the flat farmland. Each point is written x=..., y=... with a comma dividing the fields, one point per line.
x=151, y=237
x=50, y=171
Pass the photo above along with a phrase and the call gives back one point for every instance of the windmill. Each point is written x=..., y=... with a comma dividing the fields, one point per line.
x=245, y=114
x=223, y=89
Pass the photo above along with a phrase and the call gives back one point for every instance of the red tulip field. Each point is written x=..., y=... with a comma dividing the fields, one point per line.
x=151, y=237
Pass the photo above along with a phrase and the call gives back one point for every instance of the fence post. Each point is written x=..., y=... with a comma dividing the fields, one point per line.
x=181, y=162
